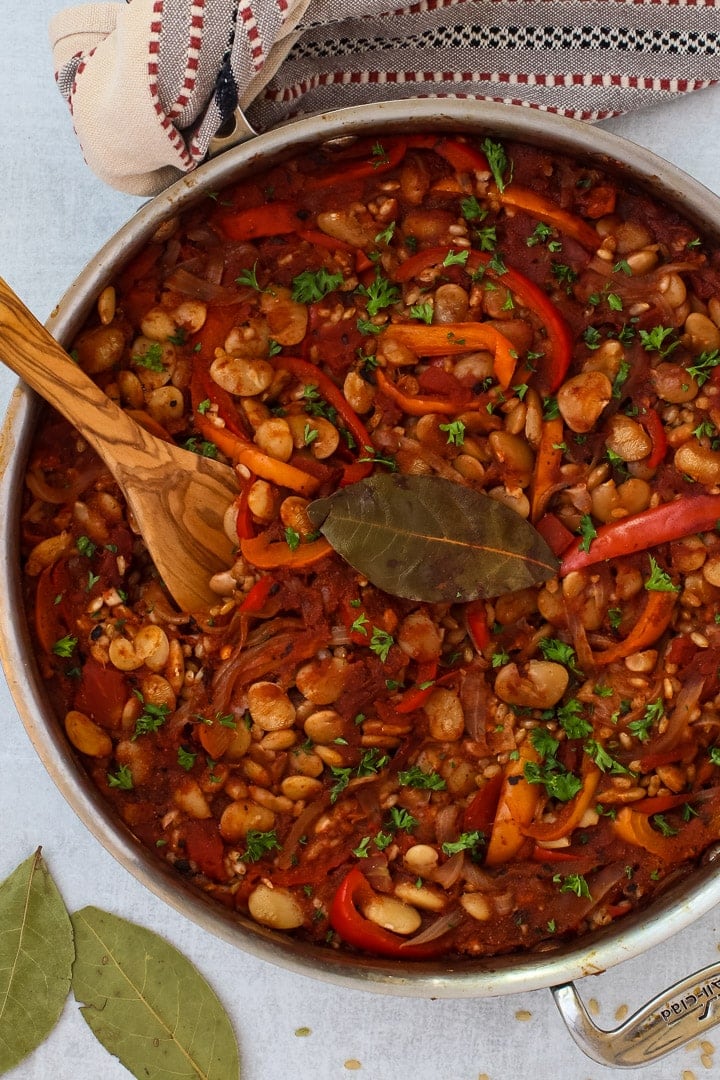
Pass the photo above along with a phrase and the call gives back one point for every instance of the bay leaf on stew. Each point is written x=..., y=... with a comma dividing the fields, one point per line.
x=36, y=955
x=427, y=538
x=148, y=1004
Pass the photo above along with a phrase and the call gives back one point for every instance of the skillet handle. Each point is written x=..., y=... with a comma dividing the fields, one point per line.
x=672, y=1018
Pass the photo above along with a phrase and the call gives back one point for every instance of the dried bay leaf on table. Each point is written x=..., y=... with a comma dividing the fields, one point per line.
x=147, y=1004
x=427, y=538
x=36, y=955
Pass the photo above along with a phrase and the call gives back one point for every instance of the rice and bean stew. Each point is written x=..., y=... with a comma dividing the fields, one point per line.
x=395, y=776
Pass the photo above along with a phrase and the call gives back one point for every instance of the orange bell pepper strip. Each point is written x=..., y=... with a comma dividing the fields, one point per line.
x=652, y=623
x=516, y=809
x=269, y=554
x=660, y=804
x=635, y=828
x=270, y=219
x=214, y=739
x=660, y=524
x=416, y=406
x=547, y=466
x=453, y=338
x=570, y=816
x=243, y=452
x=559, y=339
x=545, y=210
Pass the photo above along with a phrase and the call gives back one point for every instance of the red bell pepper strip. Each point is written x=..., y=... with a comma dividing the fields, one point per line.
x=476, y=621
x=255, y=599
x=559, y=348
x=452, y=338
x=416, y=696
x=461, y=155
x=244, y=525
x=656, y=430
x=310, y=375
x=557, y=537
x=204, y=846
x=516, y=809
x=324, y=240
x=482, y=808
x=638, y=532
x=554, y=855
x=547, y=466
x=347, y=921
x=369, y=158
x=270, y=219
x=652, y=624
x=545, y=210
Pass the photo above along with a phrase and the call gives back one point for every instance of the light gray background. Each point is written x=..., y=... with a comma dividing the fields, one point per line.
x=53, y=216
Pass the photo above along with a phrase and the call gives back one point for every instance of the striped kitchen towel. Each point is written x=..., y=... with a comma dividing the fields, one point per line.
x=150, y=83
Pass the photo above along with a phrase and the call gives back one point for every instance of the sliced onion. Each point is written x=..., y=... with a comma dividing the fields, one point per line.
x=679, y=722
x=446, y=875
x=188, y=284
x=436, y=929
x=375, y=870
x=300, y=827
x=68, y=493
x=474, y=698
x=445, y=824
x=475, y=875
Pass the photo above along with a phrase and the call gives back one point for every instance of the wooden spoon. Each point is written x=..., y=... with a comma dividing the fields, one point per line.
x=178, y=498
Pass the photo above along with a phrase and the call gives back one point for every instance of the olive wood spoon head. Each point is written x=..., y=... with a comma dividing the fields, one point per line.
x=178, y=498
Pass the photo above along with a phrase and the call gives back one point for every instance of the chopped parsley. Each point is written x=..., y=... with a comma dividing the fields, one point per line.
x=258, y=844
x=656, y=340
x=186, y=758
x=574, y=883
x=659, y=580
x=65, y=646
x=497, y=159
x=380, y=294
x=703, y=365
x=381, y=643
x=415, y=777
x=467, y=841
x=455, y=431
x=152, y=358
x=422, y=312
x=121, y=779
x=151, y=719
x=587, y=531
x=312, y=285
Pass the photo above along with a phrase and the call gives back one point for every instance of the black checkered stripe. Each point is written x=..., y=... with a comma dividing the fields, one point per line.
x=604, y=58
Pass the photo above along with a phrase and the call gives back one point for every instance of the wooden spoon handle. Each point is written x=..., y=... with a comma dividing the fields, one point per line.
x=29, y=350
